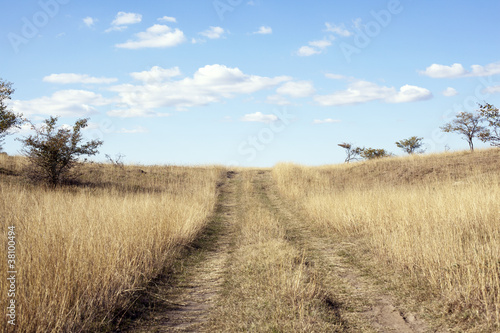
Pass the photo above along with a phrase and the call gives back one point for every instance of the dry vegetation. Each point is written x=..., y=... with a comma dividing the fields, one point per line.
x=269, y=287
x=83, y=250
x=431, y=220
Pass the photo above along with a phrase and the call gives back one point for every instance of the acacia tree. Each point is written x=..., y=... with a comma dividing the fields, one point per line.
x=352, y=153
x=492, y=116
x=467, y=124
x=53, y=152
x=411, y=145
x=373, y=153
x=8, y=119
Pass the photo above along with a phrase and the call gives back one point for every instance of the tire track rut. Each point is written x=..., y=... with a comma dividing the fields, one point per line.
x=182, y=301
x=378, y=308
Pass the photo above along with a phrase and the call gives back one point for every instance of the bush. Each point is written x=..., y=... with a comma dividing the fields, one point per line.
x=53, y=152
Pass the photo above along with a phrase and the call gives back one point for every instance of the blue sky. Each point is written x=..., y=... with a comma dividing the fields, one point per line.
x=251, y=83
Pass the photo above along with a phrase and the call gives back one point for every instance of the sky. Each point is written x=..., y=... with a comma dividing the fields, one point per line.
x=250, y=83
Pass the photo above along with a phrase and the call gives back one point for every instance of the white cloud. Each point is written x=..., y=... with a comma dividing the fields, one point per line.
x=448, y=92
x=157, y=36
x=156, y=74
x=123, y=18
x=62, y=103
x=278, y=100
x=357, y=23
x=209, y=84
x=315, y=47
x=306, y=51
x=68, y=78
x=138, y=129
x=259, y=117
x=326, y=121
x=490, y=69
x=320, y=44
x=457, y=70
x=263, y=30
x=135, y=112
x=213, y=32
x=339, y=30
x=116, y=28
x=168, y=19
x=360, y=91
x=335, y=76
x=89, y=21
x=491, y=90
x=442, y=71
x=408, y=93
x=297, y=89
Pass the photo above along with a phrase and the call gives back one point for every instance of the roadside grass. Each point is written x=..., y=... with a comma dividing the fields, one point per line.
x=430, y=223
x=83, y=250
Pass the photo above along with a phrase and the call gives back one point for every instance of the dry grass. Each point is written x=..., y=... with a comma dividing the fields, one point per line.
x=269, y=287
x=82, y=251
x=435, y=219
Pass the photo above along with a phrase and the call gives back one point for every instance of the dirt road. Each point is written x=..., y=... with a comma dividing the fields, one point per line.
x=260, y=267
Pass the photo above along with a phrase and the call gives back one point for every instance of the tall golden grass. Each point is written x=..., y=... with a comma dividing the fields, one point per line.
x=268, y=287
x=82, y=251
x=435, y=218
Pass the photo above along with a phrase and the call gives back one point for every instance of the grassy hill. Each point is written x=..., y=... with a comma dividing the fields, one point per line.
x=432, y=220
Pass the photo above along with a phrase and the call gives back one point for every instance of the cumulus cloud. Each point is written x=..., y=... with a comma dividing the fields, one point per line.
x=490, y=69
x=320, y=44
x=448, y=92
x=157, y=36
x=64, y=103
x=457, y=70
x=492, y=90
x=263, y=30
x=168, y=19
x=315, y=47
x=326, y=121
x=68, y=78
x=408, y=93
x=209, y=84
x=259, y=117
x=339, y=30
x=122, y=20
x=306, y=51
x=442, y=71
x=297, y=89
x=213, y=33
x=156, y=74
x=89, y=21
x=360, y=91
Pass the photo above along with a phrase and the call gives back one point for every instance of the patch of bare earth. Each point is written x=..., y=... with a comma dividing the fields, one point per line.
x=366, y=305
x=181, y=300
